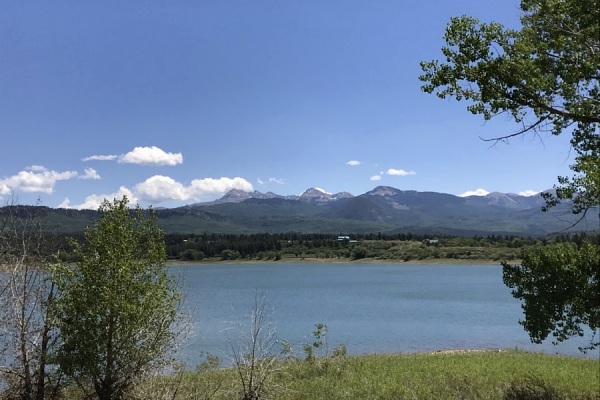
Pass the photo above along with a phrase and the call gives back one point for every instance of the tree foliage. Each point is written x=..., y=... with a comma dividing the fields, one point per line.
x=583, y=189
x=560, y=289
x=546, y=77
x=117, y=307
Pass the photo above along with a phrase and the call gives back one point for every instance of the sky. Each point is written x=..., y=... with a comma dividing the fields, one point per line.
x=175, y=103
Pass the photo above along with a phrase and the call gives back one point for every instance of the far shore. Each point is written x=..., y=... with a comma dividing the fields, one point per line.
x=313, y=260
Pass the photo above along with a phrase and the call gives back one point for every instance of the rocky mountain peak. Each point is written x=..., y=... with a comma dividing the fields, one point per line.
x=236, y=195
x=343, y=195
x=384, y=191
x=315, y=192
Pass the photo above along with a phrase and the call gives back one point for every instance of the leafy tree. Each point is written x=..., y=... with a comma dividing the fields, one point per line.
x=230, y=254
x=546, y=77
x=117, y=308
x=583, y=189
x=358, y=253
x=567, y=276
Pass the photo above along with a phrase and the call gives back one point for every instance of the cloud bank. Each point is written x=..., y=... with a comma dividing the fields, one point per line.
x=278, y=181
x=476, y=192
x=159, y=188
x=153, y=156
x=393, y=172
x=163, y=188
x=528, y=193
x=400, y=172
x=39, y=179
x=94, y=201
x=354, y=163
x=35, y=179
x=100, y=158
x=90, y=173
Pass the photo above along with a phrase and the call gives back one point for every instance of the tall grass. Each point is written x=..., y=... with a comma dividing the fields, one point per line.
x=509, y=375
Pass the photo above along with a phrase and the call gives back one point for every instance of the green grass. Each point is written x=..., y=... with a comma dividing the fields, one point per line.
x=450, y=375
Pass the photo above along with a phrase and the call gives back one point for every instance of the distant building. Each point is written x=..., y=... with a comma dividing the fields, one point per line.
x=343, y=238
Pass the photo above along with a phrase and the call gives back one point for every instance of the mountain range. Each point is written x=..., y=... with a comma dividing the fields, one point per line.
x=384, y=209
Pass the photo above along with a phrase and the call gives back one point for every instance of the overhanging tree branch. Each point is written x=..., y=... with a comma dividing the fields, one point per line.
x=548, y=68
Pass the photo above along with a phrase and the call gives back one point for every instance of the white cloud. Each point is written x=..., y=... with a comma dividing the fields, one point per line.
x=142, y=156
x=477, y=192
x=35, y=179
x=94, y=201
x=399, y=172
x=528, y=193
x=376, y=178
x=278, y=181
x=162, y=188
x=90, y=173
x=207, y=186
x=353, y=163
x=66, y=203
x=100, y=158
x=151, y=156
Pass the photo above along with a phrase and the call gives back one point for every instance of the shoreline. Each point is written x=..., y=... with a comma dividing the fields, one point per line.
x=310, y=260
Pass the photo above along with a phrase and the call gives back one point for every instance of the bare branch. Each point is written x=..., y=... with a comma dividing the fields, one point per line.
x=529, y=128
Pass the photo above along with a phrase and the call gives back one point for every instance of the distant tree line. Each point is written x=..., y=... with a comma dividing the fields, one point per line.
x=406, y=246
x=190, y=247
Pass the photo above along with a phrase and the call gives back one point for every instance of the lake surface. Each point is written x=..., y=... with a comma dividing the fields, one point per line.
x=372, y=308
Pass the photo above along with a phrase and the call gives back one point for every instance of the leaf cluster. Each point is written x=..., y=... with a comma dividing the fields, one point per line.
x=546, y=76
x=560, y=289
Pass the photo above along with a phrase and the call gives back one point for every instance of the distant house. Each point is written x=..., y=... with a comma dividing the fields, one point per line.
x=343, y=238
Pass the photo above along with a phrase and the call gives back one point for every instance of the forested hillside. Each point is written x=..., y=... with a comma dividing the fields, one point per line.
x=384, y=209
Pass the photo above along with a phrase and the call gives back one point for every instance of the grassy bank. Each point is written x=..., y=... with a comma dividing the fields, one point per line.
x=443, y=375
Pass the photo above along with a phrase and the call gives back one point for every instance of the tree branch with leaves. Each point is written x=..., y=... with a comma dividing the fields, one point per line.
x=546, y=77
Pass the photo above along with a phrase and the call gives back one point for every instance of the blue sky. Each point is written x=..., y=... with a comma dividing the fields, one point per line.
x=174, y=103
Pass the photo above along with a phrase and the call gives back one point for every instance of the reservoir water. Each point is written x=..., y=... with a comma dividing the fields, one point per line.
x=371, y=308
